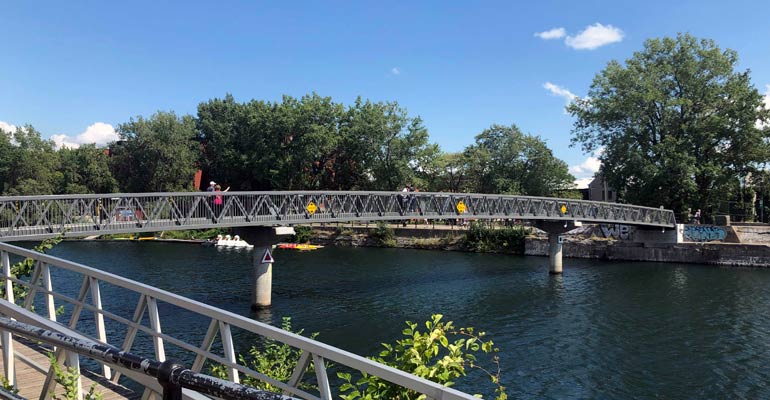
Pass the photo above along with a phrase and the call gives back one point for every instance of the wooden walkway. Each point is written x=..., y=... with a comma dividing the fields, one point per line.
x=31, y=368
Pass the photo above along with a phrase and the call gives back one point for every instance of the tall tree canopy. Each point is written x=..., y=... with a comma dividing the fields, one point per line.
x=29, y=164
x=156, y=154
x=677, y=124
x=505, y=160
x=86, y=170
x=311, y=143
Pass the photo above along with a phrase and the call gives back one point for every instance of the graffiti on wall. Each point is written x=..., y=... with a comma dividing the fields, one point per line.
x=617, y=231
x=704, y=233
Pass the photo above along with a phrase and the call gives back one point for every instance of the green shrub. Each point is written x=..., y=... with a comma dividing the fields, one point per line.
x=480, y=238
x=383, y=234
x=68, y=378
x=274, y=359
x=302, y=234
x=7, y=386
x=24, y=268
x=441, y=354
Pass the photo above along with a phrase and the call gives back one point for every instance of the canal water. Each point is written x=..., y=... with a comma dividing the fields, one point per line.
x=606, y=330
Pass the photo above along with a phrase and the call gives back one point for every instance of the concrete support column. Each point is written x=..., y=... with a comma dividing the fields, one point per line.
x=262, y=289
x=554, y=253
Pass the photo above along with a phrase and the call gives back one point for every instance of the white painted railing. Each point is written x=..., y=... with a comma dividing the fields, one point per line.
x=121, y=309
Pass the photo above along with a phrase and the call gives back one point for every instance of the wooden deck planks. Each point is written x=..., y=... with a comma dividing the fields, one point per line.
x=30, y=380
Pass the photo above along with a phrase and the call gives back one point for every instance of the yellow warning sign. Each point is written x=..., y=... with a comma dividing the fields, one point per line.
x=563, y=208
x=461, y=207
x=311, y=208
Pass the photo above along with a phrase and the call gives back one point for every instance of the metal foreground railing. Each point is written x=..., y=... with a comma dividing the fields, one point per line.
x=172, y=376
x=128, y=315
x=37, y=217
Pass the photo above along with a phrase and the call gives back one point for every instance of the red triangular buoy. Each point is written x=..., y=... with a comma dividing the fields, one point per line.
x=267, y=258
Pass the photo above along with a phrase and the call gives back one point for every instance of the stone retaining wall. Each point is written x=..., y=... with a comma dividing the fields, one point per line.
x=750, y=255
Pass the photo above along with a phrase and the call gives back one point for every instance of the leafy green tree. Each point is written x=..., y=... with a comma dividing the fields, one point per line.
x=156, y=154
x=262, y=146
x=505, y=160
x=442, y=353
x=86, y=170
x=30, y=164
x=311, y=143
x=677, y=123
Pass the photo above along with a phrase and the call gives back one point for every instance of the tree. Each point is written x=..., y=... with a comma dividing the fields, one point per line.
x=86, y=170
x=311, y=143
x=156, y=154
x=677, y=124
x=504, y=160
x=29, y=164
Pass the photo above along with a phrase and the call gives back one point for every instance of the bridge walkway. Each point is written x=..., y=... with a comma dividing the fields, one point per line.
x=32, y=365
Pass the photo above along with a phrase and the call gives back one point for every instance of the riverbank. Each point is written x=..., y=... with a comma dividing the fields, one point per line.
x=451, y=238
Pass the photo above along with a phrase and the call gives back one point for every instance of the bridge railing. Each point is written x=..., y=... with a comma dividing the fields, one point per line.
x=33, y=217
x=172, y=376
x=134, y=317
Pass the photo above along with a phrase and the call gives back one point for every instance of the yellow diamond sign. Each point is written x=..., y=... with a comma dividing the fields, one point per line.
x=563, y=208
x=461, y=207
x=311, y=208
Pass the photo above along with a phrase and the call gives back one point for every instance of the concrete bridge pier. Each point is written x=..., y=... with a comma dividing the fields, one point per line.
x=263, y=238
x=554, y=253
x=262, y=278
x=555, y=229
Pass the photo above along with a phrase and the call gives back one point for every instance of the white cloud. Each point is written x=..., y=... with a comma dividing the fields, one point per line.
x=759, y=123
x=395, y=71
x=582, y=183
x=555, y=33
x=4, y=126
x=590, y=166
x=594, y=36
x=584, y=172
x=557, y=90
x=98, y=133
x=63, y=141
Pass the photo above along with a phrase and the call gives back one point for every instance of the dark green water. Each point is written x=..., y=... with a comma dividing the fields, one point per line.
x=607, y=330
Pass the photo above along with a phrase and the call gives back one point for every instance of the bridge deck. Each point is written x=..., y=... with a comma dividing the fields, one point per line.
x=32, y=365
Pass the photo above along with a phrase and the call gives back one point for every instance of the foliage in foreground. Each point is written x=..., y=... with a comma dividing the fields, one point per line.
x=68, y=378
x=480, y=238
x=7, y=386
x=24, y=268
x=441, y=354
x=274, y=359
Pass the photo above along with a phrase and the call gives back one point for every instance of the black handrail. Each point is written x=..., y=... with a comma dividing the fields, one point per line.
x=171, y=374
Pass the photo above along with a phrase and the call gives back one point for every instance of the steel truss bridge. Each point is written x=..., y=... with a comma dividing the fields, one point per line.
x=38, y=217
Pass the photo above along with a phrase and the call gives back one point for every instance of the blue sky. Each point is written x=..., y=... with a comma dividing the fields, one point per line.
x=75, y=70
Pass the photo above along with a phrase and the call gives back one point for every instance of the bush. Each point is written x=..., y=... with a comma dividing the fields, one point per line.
x=479, y=238
x=302, y=234
x=274, y=359
x=441, y=354
x=68, y=378
x=383, y=234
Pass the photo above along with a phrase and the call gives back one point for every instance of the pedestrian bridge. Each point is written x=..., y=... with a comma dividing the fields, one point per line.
x=39, y=217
